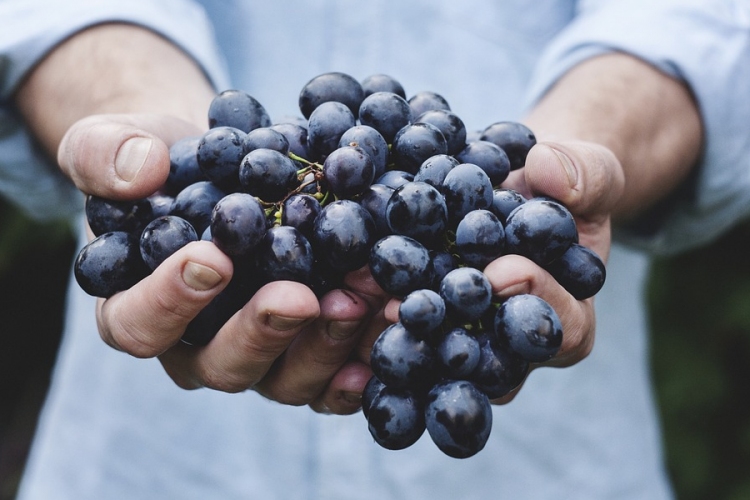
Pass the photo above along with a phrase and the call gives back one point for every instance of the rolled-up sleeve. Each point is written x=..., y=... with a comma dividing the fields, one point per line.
x=706, y=44
x=32, y=28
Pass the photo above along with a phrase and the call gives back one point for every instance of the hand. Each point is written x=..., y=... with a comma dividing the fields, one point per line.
x=588, y=179
x=284, y=343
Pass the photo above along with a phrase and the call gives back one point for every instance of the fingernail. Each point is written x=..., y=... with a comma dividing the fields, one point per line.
x=341, y=330
x=568, y=165
x=131, y=156
x=200, y=277
x=283, y=323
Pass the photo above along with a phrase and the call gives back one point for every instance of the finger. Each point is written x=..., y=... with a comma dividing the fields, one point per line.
x=343, y=395
x=513, y=275
x=304, y=370
x=121, y=156
x=150, y=317
x=246, y=347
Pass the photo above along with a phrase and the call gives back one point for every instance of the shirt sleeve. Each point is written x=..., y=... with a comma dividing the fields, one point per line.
x=31, y=29
x=706, y=44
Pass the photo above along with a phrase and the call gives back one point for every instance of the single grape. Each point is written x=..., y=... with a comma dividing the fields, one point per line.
x=450, y=125
x=326, y=125
x=220, y=151
x=238, y=223
x=414, y=144
x=109, y=263
x=504, y=201
x=541, y=230
x=402, y=360
x=426, y=100
x=382, y=83
x=394, y=178
x=489, y=157
x=373, y=387
x=266, y=138
x=579, y=270
x=343, y=235
x=459, y=353
x=499, y=370
x=196, y=202
x=163, y=236
x=421, y=312
x=458, y=417
x=434, y=169
x=234, y=108
x=480, y=238
x=396, y=418
x=466, y=187
x=183, y=165
x=284, y=254
x=516, y=139
x=417, y=210
x=386, y=112
x=467, y=294
x=400, y=265
x=296, y=136
x=300, y=211
x=529, y=326
x=372, y=142
x=348, y=171
x=375, y=199
x=268, y=174
x=333, y=86
x=105, y=216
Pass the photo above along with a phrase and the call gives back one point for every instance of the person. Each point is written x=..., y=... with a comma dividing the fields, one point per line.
x=640, y=126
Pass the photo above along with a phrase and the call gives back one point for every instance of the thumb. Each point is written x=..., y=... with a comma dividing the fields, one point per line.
x=121, y=156
x=586, y=177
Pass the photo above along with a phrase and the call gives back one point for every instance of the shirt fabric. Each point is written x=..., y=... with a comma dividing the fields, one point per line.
x=117, y=427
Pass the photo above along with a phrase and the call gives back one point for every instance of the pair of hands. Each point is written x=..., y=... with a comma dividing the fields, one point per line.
x=285, y=343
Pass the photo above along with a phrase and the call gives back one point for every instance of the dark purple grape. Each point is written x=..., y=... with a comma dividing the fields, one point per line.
x=268, y=174
x=450, y=125
x=396, y=418
x=498, y=370
x=238, y=223
x=343, y=235
x=458, y=417
x=373, y=387
x=382, y=83
x=372, y=142
x=579, y=270
x=514, y=138
x=325, y=127
x=504, y=201
x=421, y=312
x=296, y=135
x=105, y=216
x=443, y=262
x=300, y=211
x=284, y=254
x=163, y=236
x=529, y=326
x=196, y=202
x=386, y=112
x=480, y=238
x=540, y=230
x=220, y=151
x=466, y=187
x=467, y=294
x=234, y=108
x=183, y=165
x=414, y=144
x=266, y=138
x=327, y=87
x=394, y=178
x=400, y=265
x=426, y=100
x=434, y=169
x=375, y=199
x=403, y=360
x=489, y=157
x=459, y=352
x=348, y=171
x=109, y=263
x=417, y=210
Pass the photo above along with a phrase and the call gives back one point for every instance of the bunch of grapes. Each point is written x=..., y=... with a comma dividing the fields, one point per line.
x=365, y=177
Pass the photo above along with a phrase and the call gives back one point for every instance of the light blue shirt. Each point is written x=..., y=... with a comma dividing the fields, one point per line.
x=117, y=427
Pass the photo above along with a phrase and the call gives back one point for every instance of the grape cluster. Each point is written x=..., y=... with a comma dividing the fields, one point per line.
x=365, y=177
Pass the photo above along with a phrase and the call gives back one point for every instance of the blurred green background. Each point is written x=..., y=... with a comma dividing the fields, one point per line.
x=700, y=305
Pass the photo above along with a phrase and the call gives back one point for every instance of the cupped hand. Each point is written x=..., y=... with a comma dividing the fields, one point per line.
x=284, y=343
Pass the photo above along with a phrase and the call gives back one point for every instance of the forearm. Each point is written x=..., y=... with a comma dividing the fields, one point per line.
x=647, y=119
x=111, y=68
